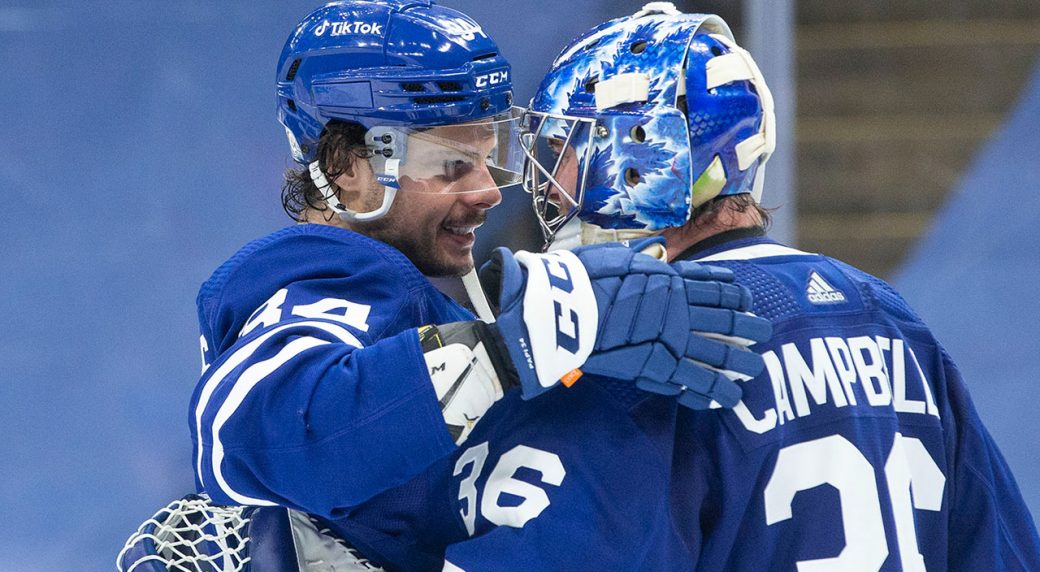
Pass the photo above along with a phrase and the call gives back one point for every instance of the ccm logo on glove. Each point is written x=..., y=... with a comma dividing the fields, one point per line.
x=566, y=326
x=562, y=334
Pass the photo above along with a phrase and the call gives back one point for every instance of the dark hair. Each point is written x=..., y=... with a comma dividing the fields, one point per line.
x=339, y=146
x=735, y=203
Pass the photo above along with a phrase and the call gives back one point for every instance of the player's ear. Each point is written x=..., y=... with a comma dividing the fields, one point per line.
x=355, y=174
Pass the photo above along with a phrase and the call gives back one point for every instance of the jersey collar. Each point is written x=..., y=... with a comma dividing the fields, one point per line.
x=738, y=244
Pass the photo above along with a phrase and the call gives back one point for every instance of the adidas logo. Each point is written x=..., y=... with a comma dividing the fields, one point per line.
x=821, y=292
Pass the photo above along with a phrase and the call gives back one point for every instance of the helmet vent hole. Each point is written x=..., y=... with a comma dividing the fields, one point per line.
x=638, y=47
x=590, y=85
x=449, y=85
x=413, y=87
x=716, y=51
x=291, y=104
x=435, y=99
x=632, y=176
x=638, y=134
x=292, y=70
x=485, y=56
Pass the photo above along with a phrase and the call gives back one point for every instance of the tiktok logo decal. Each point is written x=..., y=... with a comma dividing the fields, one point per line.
x=344, y=28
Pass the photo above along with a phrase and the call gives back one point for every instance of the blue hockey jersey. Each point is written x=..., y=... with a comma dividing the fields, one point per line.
x=315, y=397
x=857, y=449
x=574, y=479
x=315, y=394
x=859, y=442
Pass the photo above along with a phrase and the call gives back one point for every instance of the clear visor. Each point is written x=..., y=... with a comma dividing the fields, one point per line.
x=465, y=158
x=557, y=150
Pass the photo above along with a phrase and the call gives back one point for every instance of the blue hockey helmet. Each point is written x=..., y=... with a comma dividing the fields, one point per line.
x=395, y=67
x=644, y=118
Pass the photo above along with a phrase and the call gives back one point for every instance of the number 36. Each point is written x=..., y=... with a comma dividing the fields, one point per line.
x=501, y=482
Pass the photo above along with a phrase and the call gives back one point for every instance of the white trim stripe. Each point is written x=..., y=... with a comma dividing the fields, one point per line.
x=754, y=251
x=240, y=356
x=249, y=379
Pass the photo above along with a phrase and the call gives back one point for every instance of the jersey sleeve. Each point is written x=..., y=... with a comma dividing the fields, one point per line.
x=538, y=496
x=318, y=398
x=305, y=416
x=990, y=526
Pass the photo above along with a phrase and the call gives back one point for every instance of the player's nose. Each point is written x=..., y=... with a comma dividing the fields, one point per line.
x=486, y=193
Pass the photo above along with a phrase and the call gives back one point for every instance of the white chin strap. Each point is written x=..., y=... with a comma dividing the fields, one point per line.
x=477, y=297
x=328, y=192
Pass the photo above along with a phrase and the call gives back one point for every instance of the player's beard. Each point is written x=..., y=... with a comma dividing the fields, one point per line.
x=421, y=245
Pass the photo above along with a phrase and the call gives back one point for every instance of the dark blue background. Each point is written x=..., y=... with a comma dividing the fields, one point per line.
x=139, y=148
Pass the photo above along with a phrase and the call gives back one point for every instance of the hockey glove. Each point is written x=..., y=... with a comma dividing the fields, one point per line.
x=716, y=354
x=611, y=311
x=729, y=323
x=469, y=369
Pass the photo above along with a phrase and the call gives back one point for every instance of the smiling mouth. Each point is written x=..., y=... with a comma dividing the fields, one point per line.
x=460, y=230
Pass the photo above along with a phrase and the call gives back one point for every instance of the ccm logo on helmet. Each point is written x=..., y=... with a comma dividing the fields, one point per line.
x=493, y=78
x=561, y=287
x=344, y=28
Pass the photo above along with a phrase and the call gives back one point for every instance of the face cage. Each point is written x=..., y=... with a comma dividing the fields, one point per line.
x=553, y=203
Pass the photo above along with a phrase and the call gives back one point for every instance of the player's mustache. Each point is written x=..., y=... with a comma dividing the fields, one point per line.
x=475, y=219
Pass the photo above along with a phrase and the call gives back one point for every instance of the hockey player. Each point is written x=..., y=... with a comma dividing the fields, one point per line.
x=859, y=447
x=339, y=382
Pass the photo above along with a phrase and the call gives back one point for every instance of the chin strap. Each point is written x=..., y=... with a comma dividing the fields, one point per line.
x=477, y=297
x=328, y=192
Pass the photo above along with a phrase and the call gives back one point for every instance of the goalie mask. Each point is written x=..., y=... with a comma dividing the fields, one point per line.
x=433, y=117
x=641, y=120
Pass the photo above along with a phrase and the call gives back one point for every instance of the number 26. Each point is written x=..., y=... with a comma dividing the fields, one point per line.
x=836, y=461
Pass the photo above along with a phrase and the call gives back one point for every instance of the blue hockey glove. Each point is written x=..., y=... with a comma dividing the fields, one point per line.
x=611, y=311
x=716, y=354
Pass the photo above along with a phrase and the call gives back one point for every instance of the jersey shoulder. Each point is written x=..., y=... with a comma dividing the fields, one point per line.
x=787, y=283
x=303, y=251
x=882, y=294
x=310, y=264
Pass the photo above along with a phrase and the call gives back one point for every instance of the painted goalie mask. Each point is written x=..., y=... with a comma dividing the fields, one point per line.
x=641, y=120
